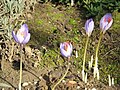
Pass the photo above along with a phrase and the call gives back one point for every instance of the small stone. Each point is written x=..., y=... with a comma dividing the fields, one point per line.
x=35, y=82
x=78, y=87
x=40, y=77
x=63, y=81
x=25, y=84
x=93, y=88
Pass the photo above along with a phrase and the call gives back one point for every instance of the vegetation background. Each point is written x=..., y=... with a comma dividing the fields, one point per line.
x=51, y=22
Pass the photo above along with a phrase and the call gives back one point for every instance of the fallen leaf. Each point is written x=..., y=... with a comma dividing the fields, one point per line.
x=71, y=83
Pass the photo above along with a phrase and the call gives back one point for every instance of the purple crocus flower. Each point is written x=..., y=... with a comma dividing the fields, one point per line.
x=106, y=22
x=22, y=36
x=66, y=49
x=89, y=26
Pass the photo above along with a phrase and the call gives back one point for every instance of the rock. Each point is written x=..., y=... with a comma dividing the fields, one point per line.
x=25, y=84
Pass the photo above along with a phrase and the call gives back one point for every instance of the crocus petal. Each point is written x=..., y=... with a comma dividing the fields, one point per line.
x=14, y=36
x=24, y=28
x=26, y=39
x=106, y=22
x=22, y=35
x=70, y=48
x=108, y=25
x=64, y=52
x=89, y=26
x=20, y=38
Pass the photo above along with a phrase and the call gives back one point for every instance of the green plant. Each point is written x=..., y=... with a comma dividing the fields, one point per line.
x=99, y=7
x=22, y=37
x=107, y=18
x=11, y=11
x=89, y=26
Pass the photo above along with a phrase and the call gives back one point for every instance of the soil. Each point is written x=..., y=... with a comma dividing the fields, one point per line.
x=46, y=34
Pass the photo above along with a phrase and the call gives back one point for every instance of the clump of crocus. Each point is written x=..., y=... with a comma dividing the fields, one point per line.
x=66, y=51
x=89, y=26
x=105, y=23
x=22, y=37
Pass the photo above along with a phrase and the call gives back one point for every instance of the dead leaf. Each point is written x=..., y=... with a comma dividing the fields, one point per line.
x=28, y=50
x=71, y=83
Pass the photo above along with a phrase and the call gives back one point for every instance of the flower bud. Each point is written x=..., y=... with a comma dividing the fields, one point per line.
x=106, y=22
x=89, y=26
x=66, y=49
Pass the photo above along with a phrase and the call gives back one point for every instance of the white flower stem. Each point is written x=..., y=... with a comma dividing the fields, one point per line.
x=72, y=2
x=76, y=54
x=98, y=76
x=109, y=80
x=84, y=58
x=90, y=62
x=20, y=80
x=112, y=81
x=96, y=54
x=86, y=78
x=83, y=75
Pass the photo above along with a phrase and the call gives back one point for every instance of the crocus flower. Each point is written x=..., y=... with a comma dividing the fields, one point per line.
x=66, y=49
x=106, y=22
x=22, y=36
x=89, y=26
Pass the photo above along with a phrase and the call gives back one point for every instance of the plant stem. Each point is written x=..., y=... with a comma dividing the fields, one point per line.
x=85, y=52
x=63, y=75
x=21, y=46
x=72, y=2
x=97, y=49
x=84, y=57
